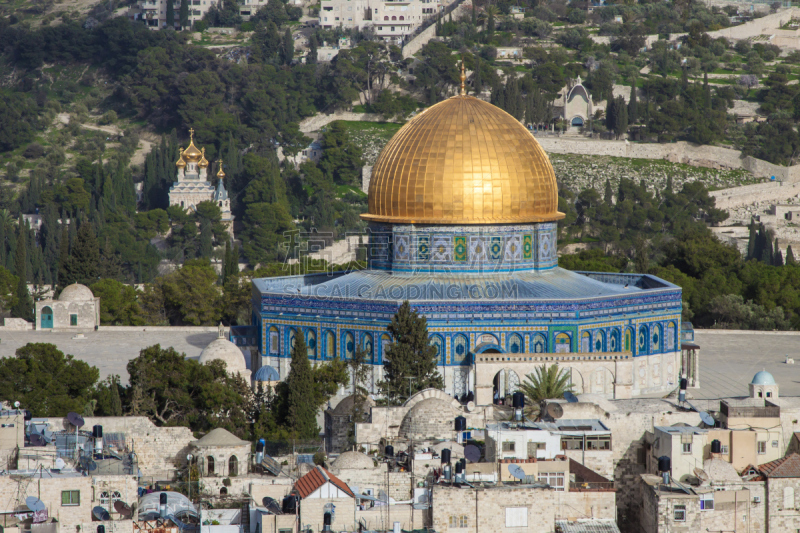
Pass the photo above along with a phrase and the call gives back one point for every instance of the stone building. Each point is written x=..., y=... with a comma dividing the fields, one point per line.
x=221, y=349
x=574, y=106
x=75, y=308
x=391, y=20
x=154, y=12
x=782, y=493
x=472, y=247
x=220, y=453
x=193, y=186
x=371, y=476
x=339, y=423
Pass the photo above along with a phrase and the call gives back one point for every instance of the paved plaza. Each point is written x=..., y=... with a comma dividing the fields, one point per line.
x=728, y=360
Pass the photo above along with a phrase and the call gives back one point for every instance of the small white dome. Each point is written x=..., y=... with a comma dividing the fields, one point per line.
x=352, y=461
x=76, y=293
x=224, y=350
x=763, y=378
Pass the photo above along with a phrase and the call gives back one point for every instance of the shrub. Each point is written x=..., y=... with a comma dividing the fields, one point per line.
x=33, y=151
x=109, y=117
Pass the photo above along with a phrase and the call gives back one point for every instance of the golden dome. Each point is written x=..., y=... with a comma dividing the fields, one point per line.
x=203, y=163
x=463, y=161
x=180, y=163
x=220, y=173
x=192, y=154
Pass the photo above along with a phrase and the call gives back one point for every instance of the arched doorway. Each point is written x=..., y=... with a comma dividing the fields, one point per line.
x=505, y=383
x=47, y=318
x=233, y=466
x=577, y=122
x=209, y=465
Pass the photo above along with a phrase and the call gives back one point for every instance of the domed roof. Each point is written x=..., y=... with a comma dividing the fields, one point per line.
x=180, y=163
x=463, y=161
x=352, y=461
x=266, y=373
x=430, y=418
x=203, y=163
x=763, y=378
x=192, y=154
x=345, y=406
x=76, y=293
x=224, y=350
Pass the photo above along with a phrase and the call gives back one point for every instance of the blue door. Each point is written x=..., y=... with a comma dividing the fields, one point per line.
x=47, y=318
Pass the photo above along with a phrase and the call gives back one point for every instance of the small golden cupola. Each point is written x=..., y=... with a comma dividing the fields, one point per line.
x=192, y=154
x=220, y=172
x=180, y=163
x=203, y=163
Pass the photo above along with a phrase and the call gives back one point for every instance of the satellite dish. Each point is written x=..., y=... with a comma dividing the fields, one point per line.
x=48, y=436
x=37, y=440
x=472, y=453
x=75, y=419
x=470, y=406
x=691, y=480
x=701, y=475
x=34, y=504
x=517, y=471
x=571, y=398
x=101, y=514
x=707, y=418
x=555, y=410
x=272, y=505
x=91, y=465
x=60, y=463
x=123, y=509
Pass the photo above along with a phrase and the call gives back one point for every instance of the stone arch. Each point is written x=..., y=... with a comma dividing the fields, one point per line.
x=576, y=121
x=505, y=383
x=432, y=393
x=579, y=385
x=46, y=318
x=210, y=465
x=515, y=344
x=601, y=380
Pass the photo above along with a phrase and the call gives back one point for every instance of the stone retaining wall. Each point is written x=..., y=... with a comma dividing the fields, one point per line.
x=316, y=122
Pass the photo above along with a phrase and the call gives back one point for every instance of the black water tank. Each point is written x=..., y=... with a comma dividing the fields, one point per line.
x=446, y=455
x=518, y=400
x=663, y=464
x=289, y=505
x=459, y=467
x=260, y=445
x=716, y=446
x=389, y=451
x=463, y=464
x=162, y=498
x=97, y=432
x=326, y=519
x=101, y=529
x=684, y=383
x=461, y=423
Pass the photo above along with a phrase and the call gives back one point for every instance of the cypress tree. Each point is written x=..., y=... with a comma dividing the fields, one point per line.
x=2, y=242
x=170, y=14
x=23, y=305
x=477, y=81
x=608, y=195
x=611, y=114
x=302, y=414
x=287, y=48
x=311, y=58
x=226, y=262
x=767, y=253
x=706, y=91
x=633, y=105
x=777, y=256
x=790, y=256
x=668, y=189
x=63, y=258
x=206, y=244
x=751, y=241
x=758, y=249
x=184, y=14
x=621, y=118
x=84, y=261
x=110, y=264
x=234, y=260
x=410, y=355
x=474, y=15
x=490, y=25
x=116, y=401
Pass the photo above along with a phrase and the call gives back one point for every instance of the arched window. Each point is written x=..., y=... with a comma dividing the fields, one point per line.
x=460, y=348
x=223, y=491
x=385, y=18
x=613, y=341
x=515, y=343
x=209, y=465
x=330, y=345
x=386, y=340
x=349, y=345
x=402, y=17
x=233, y=466
x=628, y=340
x=438, y=343
x=655, y=339
x=311, y=343
x=394, y=18
x=539, y=344
x=599, y=341
x=108, y=498
x=562, y=343
x=292, y=334
x=274, y=341
x=669, y=337
x=586, y=342
x=641, y=346
x=367, y=344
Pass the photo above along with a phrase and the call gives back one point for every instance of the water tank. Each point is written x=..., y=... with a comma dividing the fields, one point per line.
x=101, y=529
x=260, y=445
x=461, y=423
x=446, y=455
x=459, y=468
x=326, y=520
x=289, y=505
x=97, y=433
x=716, y=446
x=684, y=383
x=162, y=501
x=463, y=464
x=389, y=451
x=446, y=472
x=518, y=400
x=664, y=464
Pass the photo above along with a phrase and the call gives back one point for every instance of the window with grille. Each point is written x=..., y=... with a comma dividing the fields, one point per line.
x=458, y=521
x=724, y=449
x=762, y=447
x=554, y=479
x=509, y=446
x=70, y=497
x=687, y=447
x=679, y=513
x=571, y=443
x=73, y=320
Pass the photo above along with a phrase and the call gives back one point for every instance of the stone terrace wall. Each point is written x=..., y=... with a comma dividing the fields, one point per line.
x=159, y=449
x=415, y=45
x=763, y=25
x=748, y=194
x=318, y=121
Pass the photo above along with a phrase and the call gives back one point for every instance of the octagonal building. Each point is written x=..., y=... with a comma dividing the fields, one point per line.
x=463, y=213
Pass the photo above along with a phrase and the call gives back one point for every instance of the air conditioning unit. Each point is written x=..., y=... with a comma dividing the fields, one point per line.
x=756, y=499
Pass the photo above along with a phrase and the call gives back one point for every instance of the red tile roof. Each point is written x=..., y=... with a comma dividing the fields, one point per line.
x=787, y=466
x=317, y=478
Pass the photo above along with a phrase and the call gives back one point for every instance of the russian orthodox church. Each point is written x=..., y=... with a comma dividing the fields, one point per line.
x=193, y=186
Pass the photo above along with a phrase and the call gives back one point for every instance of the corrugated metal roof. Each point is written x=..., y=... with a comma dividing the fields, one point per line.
x=317, y=478
x=587, y=526
x=558, y=283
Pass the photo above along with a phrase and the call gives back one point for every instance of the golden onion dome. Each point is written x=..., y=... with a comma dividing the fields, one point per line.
x=220, y=173
x=180, y=163
x=192, y=154
x=203, y=163
x=463, y=161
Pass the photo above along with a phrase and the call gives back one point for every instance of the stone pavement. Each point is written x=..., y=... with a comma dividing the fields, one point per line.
x=110, y=351
x=729, y=359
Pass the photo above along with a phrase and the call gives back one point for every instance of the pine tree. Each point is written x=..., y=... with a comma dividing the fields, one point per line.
x=490, y=24
x=633, y=105
x=302, y=414
x=84, y=261
x=23, y=305
x=311, y=58
x=170, y=14
x=184, y=14
x=410, y=355
x=790, y=260
x=110, y=264
x=608, y=195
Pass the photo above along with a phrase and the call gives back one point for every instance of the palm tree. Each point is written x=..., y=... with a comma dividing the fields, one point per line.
x=543, y=384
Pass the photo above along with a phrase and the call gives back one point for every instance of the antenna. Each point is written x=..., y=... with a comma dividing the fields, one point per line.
x=472, y=453
x=555, y=410
x=517, y=471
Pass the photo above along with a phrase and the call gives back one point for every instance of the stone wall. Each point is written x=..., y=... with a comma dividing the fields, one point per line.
x=773, y=191
x=485, y=509
x=316, y=122
x=782, y=491
x=346, y=516
x=759, y=26
x=399, y=482
x=159, y=449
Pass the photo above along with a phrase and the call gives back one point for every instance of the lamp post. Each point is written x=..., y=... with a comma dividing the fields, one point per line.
x=189, y=458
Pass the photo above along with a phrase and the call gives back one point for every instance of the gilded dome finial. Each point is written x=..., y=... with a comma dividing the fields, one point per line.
x=220, y=173
x=463, y=77
x=180, y=163
x=192, y=154
x=203, y=163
